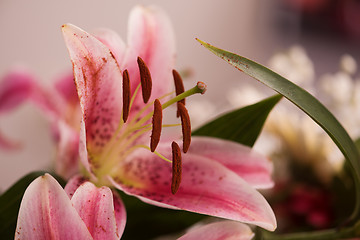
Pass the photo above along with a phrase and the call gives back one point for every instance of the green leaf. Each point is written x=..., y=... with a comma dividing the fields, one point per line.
x=242, y=125
x=10, y=204
x=305, y=101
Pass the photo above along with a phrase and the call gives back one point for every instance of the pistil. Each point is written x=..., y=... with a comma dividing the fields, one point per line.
x=199, y=88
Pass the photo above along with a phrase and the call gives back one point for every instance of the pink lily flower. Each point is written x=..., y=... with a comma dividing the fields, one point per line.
x=60, y=105
x=224, y=230
x=48, y=212
x=217, y=177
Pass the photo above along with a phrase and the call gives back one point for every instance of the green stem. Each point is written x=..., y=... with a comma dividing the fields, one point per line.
x=356, y=212
x=330, y=234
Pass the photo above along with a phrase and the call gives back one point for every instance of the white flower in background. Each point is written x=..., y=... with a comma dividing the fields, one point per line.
x=304, y=141
x=336, y=89
x=340, y=91
x=244, y=95
x=348, y=64
x=201, y=111
x=295, y=65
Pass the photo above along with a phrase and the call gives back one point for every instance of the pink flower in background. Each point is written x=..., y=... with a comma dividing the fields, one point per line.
x=218, y=176
x=48, y=212
x=59, y=104
x=305, y=205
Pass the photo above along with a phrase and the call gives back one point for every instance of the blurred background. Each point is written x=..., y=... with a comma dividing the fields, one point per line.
x=31, y=37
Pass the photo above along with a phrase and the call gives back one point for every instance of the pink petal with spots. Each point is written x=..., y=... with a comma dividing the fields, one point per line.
x=96, y=208
x=113, y=41
x=46, y=212
x=120, y=212
x=224, y=230
x=73, y=184
x=98, y=81
x=207, y=187
x=251, y=166
x=150, y=36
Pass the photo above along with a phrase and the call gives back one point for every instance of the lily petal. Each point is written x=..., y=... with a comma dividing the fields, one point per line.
x=67, y=140
x=96, y=208
x=224, y=230
x=150, y=36
x=16, y=87
x=252, y=167
x=98, y=81
x=120, y=213
x=20, y=85
x=7, y=144
x=47, y=213
x=207, y=187
x=73, y=184
x=113, y=41
x=65, y=86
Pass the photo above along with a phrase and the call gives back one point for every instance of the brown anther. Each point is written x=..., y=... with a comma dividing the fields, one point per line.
x=145, y=78
x=126, y=95
x=156, y=125
x=176, y=167
x=179, y=87
x=185, y=125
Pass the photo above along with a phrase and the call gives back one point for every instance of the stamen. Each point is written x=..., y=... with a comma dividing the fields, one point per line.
x=171, y=125
x=185, y=125
x=122, y=143
x=145, y=77
x=176, y=167
x=126, y=95
x=156, y=125
x=179, y=87
x=146, y=107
